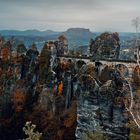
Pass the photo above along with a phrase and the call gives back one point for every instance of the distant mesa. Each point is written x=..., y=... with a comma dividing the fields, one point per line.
x=78, y=36
x=79, y=32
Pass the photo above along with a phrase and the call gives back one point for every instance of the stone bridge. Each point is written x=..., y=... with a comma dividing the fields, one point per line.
x=130, y=64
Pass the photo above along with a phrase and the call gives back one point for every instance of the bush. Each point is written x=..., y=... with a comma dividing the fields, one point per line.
x=93, y=136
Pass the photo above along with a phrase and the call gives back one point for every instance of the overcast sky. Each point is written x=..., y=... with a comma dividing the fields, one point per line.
x=59, y=15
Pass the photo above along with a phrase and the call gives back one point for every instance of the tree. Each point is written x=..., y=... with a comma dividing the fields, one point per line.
x=136, y=24
x=5, y=53
x=21, y=49
x=2, y=40
x=44, y=61
x=32, y=55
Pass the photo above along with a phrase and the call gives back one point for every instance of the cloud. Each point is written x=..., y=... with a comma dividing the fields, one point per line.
x=99, y=15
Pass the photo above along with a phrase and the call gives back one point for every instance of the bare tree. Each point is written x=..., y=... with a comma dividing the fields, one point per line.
x=136, y=24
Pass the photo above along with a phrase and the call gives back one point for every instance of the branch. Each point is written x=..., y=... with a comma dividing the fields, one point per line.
x=131, y=106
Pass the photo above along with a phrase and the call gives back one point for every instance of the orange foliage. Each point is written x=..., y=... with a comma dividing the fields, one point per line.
x=18, y=100
x=5, y=53
x=64, y=66
x=60, y=88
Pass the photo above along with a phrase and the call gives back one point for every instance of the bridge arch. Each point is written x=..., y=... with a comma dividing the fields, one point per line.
x=124, y=70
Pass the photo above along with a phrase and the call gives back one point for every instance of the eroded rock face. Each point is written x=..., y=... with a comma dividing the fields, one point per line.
x=86, y=105
x=105, y=46
x=102, y=106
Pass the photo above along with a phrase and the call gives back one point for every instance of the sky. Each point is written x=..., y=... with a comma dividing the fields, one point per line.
x=59, y=15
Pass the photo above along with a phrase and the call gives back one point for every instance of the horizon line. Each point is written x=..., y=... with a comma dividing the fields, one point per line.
x=23, y=30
